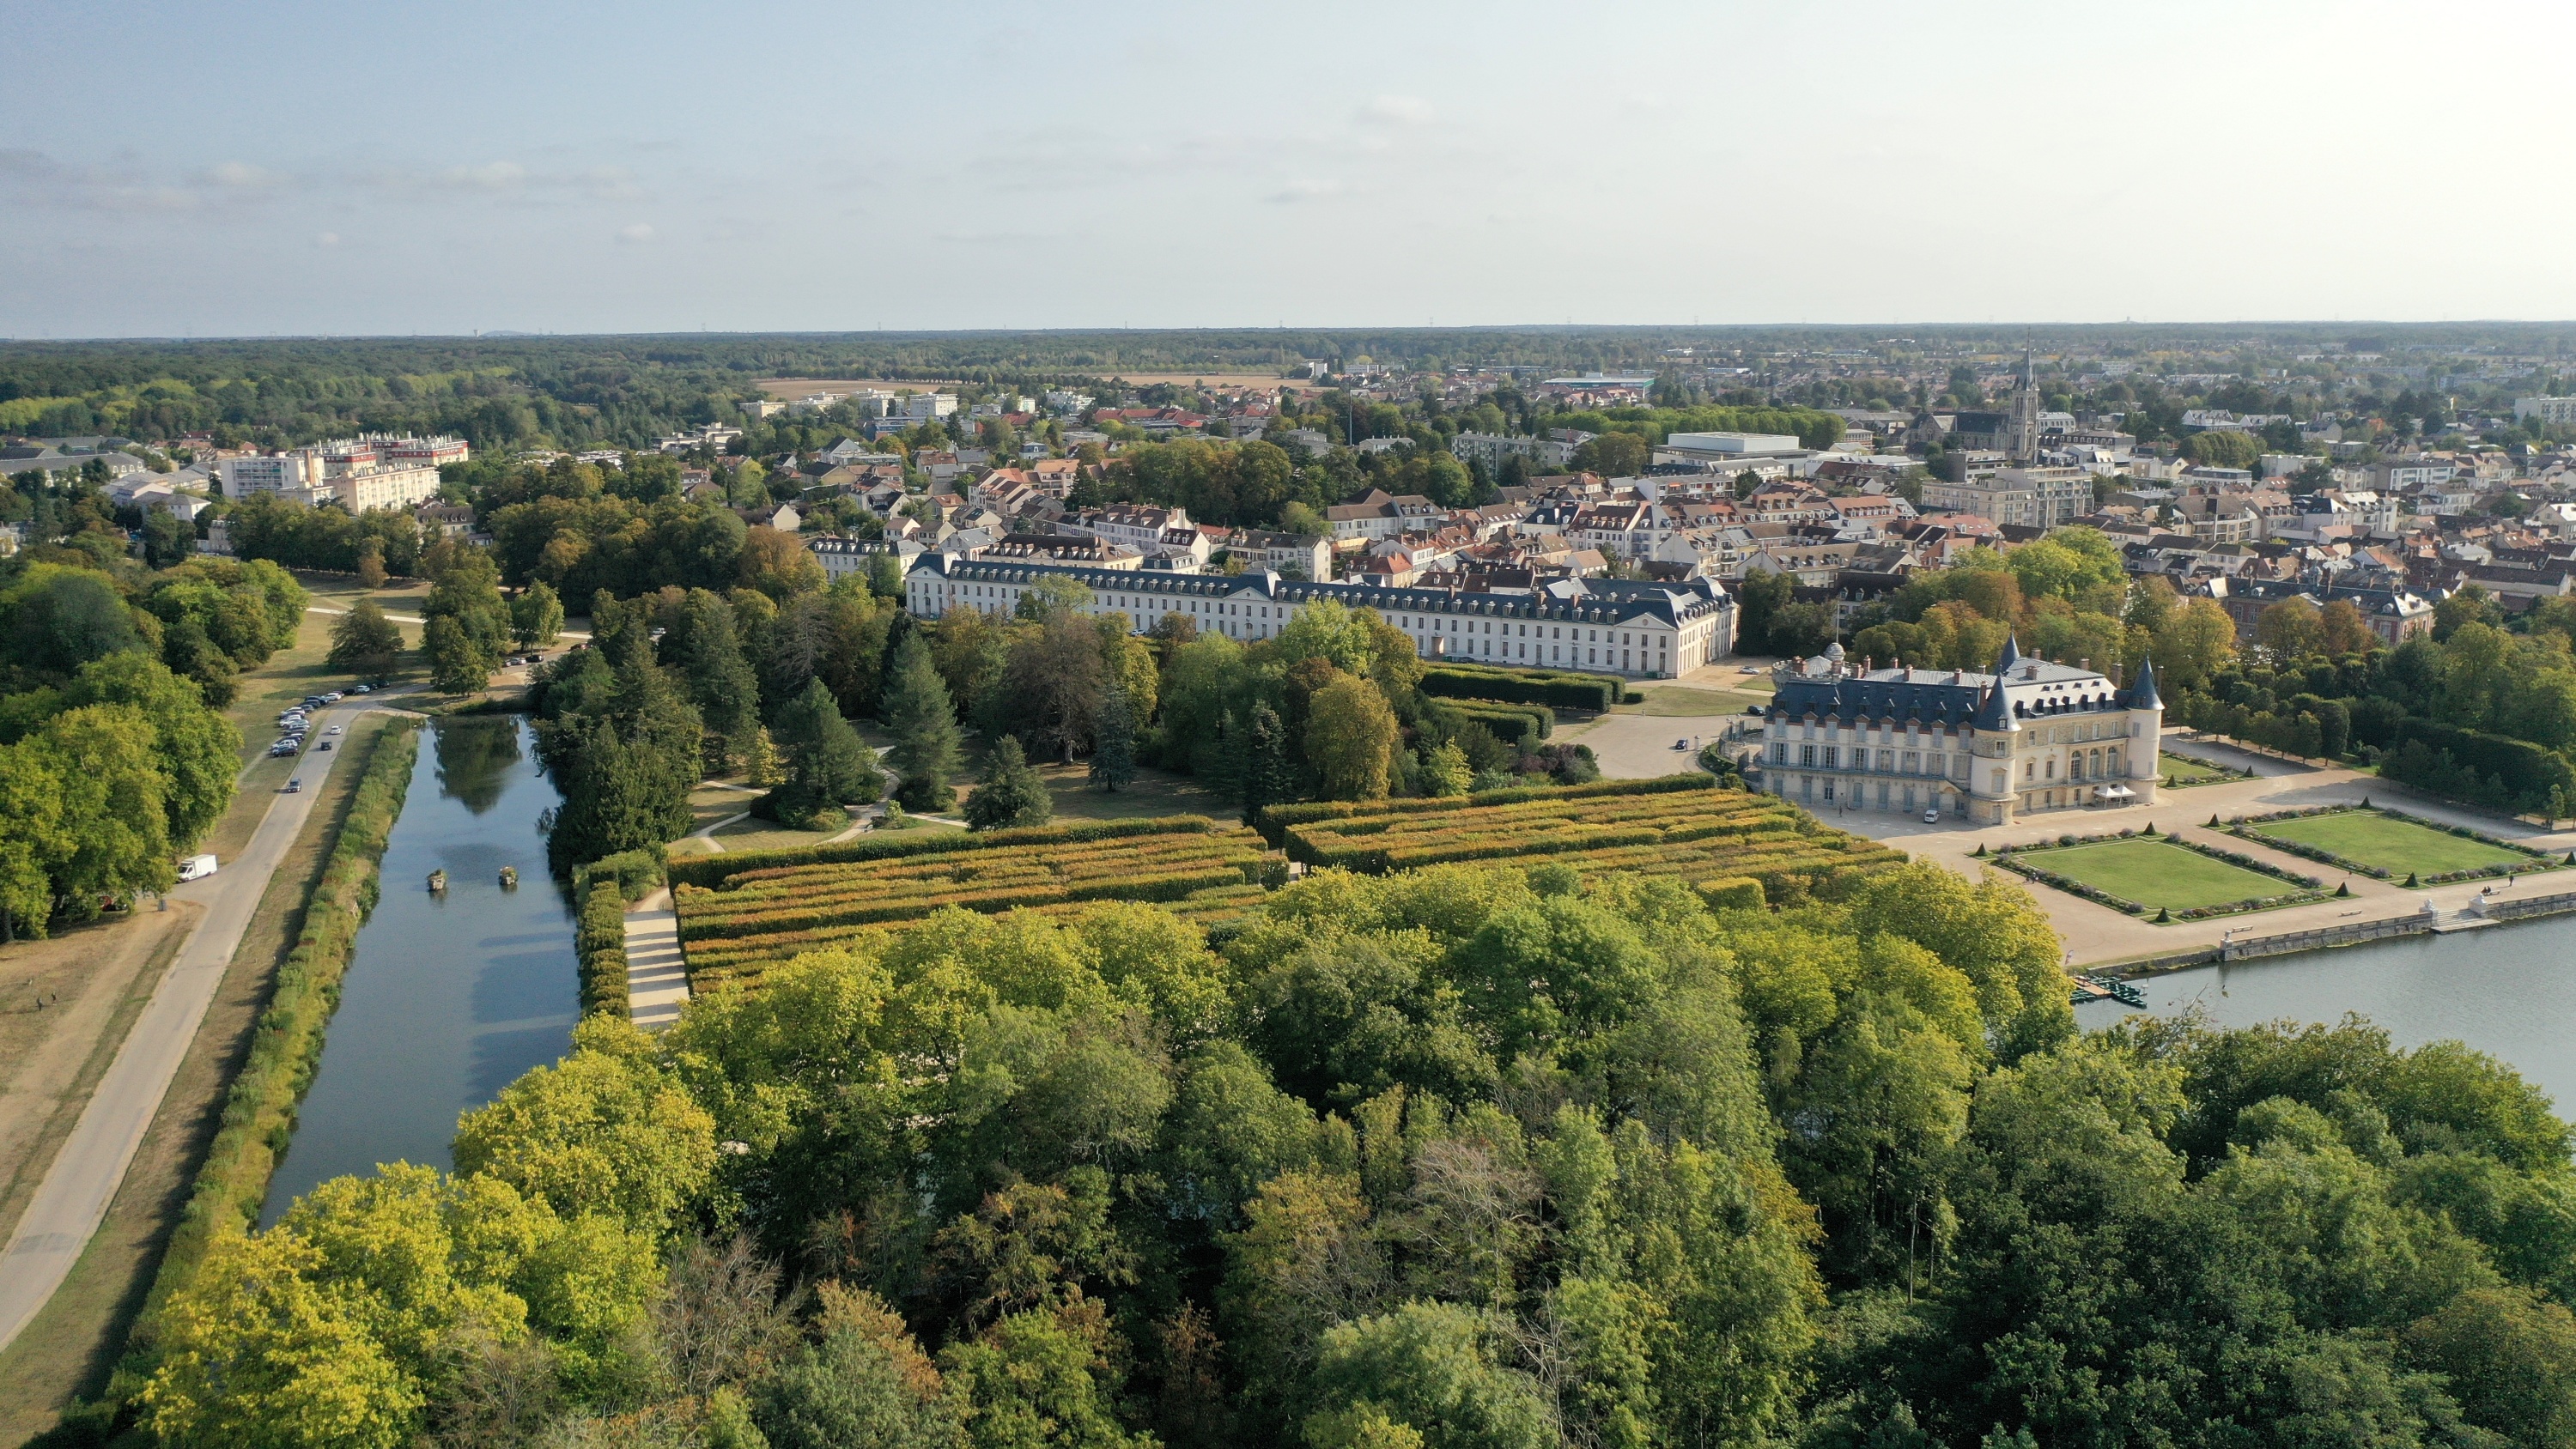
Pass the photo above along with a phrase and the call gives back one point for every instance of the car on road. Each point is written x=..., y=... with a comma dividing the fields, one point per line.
x=1930, y=817
x=1681, y=744
x=333, y=730
x=196, y=867
x=326, y=744
x=293, y=786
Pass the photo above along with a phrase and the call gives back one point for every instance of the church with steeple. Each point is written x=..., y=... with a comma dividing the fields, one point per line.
x=2021, y=422
x=2028, y=737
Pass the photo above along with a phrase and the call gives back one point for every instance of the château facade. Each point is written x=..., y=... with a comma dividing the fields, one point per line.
x=2028, y=738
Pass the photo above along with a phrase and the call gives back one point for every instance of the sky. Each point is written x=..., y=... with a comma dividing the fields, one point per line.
x=253, y=168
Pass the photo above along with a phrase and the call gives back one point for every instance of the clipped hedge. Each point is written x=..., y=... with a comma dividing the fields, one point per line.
x=709, y=870
x=1555, y=688
x=599, y=944
x=286, y=1046
x=2523, y=774
x=1273, y=820
x=1523, y=728
x=1731, y=893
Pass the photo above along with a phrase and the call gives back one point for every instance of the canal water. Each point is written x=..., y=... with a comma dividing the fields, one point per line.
x=448, y=997
x=2508, y=990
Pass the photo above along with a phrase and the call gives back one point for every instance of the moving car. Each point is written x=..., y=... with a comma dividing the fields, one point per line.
x=326, y=744
x=292, y=786
x=1682, y=744
x=333, y=730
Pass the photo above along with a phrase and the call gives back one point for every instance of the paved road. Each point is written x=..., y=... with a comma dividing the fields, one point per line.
x=74, y=1196
x=416, y=619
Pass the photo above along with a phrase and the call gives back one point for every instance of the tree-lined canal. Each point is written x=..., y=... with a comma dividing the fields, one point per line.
x=449, y=996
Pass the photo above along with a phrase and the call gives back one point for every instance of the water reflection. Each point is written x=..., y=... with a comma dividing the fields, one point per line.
x=449, y=997
x=2506, y=990
x=475, y=757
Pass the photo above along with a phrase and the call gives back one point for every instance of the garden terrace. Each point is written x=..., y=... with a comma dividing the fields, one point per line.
x=1680, y=825
x=739, y=913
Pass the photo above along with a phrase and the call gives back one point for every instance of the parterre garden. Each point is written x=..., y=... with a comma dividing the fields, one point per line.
x=740, y=913
x=2176, y=879
x=2388, y=845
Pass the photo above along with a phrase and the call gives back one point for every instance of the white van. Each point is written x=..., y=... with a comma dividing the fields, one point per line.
x=197, y=867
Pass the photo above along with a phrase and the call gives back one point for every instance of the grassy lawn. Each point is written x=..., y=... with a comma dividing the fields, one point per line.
x=1681, y=701
x=2393, y=845
x=2184, y=770
x=2154, y=874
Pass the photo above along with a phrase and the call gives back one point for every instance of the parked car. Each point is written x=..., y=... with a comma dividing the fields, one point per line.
x=1932, y=816
x=197, y=867
x=362, y=689
x=334, y=697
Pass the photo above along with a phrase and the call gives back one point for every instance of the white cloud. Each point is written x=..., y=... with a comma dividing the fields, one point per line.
x=1397, y=111
x=1305, y=190
x=490, y=176
x=243, y=174
x=637, y=232
x=327, y=239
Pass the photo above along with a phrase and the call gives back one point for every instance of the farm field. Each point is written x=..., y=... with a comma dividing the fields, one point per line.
x=2155, y=874
x=2386, y=842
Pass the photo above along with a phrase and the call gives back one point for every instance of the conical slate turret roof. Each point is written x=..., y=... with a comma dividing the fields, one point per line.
x=1995, y=713
x=2010, y=657
x=2142, y=693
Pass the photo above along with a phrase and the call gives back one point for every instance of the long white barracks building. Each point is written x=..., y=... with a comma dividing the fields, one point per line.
x=1613, y=626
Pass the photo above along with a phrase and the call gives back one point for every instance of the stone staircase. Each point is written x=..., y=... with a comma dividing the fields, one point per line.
x=657, y=981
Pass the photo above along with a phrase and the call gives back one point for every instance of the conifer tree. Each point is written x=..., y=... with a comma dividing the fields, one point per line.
x=1269, y=775
x=827, y=765
x=1013, y=793
x=1113, y=747
x=924, y=722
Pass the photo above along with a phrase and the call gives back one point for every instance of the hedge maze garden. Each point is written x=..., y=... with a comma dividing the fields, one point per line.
x=740, y=913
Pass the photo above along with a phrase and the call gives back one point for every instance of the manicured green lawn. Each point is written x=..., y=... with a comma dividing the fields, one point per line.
x=2156, y=875
x=2187, y=771
x=1681, y=701
x=2393, y=845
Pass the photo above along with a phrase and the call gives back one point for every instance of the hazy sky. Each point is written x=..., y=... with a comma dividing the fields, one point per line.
x=392, y=167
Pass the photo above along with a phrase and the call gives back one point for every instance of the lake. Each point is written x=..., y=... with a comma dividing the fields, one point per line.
x=448, y=997
x=2507, y=990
